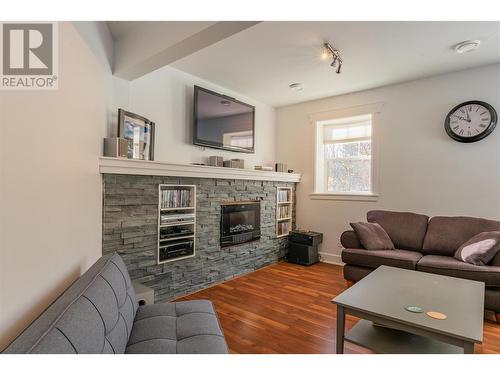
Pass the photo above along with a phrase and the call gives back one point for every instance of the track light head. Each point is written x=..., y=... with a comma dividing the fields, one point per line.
x=328, y=50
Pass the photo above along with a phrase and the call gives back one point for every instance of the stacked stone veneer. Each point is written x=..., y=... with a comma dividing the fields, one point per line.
x=130, y=225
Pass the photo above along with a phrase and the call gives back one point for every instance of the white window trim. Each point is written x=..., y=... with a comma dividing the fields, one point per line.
x=374, y=109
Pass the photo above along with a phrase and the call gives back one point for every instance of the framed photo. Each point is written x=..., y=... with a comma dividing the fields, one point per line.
x=139, y=132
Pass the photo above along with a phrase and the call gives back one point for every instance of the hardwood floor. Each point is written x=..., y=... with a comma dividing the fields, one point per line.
x=285, y=308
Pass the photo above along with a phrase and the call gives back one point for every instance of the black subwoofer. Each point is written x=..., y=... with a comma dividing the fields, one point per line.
x=303, y=247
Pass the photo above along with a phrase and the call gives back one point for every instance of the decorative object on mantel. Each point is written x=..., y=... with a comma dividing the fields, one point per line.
x=234, y=163
x=290, y=171
x=216, y=161
x=139, y=132
x=115, y=147
x=280, y=167
x=263, y=168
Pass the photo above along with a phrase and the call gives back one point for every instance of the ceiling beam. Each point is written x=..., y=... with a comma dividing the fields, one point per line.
x=133, y=59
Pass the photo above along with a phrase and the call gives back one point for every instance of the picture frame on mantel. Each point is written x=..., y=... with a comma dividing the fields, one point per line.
x=139, y=132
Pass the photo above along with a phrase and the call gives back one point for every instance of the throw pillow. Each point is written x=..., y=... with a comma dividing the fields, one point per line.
x=480, y=249
x=372, y=236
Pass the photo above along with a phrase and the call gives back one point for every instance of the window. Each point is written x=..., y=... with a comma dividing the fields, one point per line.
x=344, y=156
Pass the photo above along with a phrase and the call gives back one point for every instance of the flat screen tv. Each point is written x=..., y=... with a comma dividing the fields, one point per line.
x=222, y=122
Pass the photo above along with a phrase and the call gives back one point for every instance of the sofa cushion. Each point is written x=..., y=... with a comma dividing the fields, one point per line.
x=446, y=234
x=480, y=249
x=449, y=266
x=188, y=327
x=375, y=258
x=94, y=315
x=406, y=229
x=372, y=236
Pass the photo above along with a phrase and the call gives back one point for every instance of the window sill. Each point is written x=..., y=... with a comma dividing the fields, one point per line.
x=360, y=197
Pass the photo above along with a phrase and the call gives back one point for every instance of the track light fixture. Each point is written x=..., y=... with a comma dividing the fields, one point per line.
x=329, y=51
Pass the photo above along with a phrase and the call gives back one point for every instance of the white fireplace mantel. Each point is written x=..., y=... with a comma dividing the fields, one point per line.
x=156, y=168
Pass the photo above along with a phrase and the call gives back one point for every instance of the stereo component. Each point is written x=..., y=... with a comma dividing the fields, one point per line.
x=176, y=249
x=303, y=247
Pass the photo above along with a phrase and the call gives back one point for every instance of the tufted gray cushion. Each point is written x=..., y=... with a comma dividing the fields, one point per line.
x=181, y=327
x=94, y=315
x=99, y=314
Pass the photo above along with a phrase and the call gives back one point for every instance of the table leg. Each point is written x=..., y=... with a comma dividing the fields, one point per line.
x=340, y=329
x=468, y=347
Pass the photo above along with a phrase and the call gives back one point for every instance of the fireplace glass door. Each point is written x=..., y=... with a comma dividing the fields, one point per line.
x=240, y=222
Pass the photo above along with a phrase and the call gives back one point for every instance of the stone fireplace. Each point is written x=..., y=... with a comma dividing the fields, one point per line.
x=130, y=223
x=240, y=222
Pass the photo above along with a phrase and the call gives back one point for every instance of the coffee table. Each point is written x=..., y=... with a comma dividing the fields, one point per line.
x=380, y=299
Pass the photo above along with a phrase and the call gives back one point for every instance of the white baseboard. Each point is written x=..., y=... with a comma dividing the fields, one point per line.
x=330, y=258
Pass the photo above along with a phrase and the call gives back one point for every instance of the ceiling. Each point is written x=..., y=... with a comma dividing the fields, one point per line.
x=263, y=60
x=143, y=46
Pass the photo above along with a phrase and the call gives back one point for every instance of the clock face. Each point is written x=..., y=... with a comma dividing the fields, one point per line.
x=470, y=121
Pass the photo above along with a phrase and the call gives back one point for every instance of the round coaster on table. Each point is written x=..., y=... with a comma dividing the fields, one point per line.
x=436, y=315
x=414, y=309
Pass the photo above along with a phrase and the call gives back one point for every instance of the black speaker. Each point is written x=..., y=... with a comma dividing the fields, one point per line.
x=305, y=237
x=303, y=247
x=302, y=254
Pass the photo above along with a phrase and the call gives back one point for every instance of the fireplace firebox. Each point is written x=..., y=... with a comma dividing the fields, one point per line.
x=240, y=222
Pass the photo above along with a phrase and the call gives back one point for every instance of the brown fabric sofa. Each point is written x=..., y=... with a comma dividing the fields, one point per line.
x=426, y=245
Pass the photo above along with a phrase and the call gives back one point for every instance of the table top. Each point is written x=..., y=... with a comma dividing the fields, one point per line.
x=386, y=292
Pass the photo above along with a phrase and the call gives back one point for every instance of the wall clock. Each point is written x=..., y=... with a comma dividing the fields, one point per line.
x=470, y=121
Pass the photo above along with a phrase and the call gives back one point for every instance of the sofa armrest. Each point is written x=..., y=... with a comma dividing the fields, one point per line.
x=496, y=260
x=350, y=240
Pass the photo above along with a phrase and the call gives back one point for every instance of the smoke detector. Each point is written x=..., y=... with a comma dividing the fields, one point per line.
x=467, y=46
x=296, y=86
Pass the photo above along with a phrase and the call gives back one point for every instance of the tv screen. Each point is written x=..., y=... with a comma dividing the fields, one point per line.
x=222, y=122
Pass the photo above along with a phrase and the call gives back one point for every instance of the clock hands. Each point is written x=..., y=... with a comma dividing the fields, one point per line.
x=463, y=118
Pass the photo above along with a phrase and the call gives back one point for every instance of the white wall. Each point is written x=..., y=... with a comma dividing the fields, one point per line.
x=421, y=169
x=165, y=96
x=50, y=187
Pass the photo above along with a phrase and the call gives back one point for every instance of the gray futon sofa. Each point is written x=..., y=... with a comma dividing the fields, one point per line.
x=99, y=313
x=426, y=245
